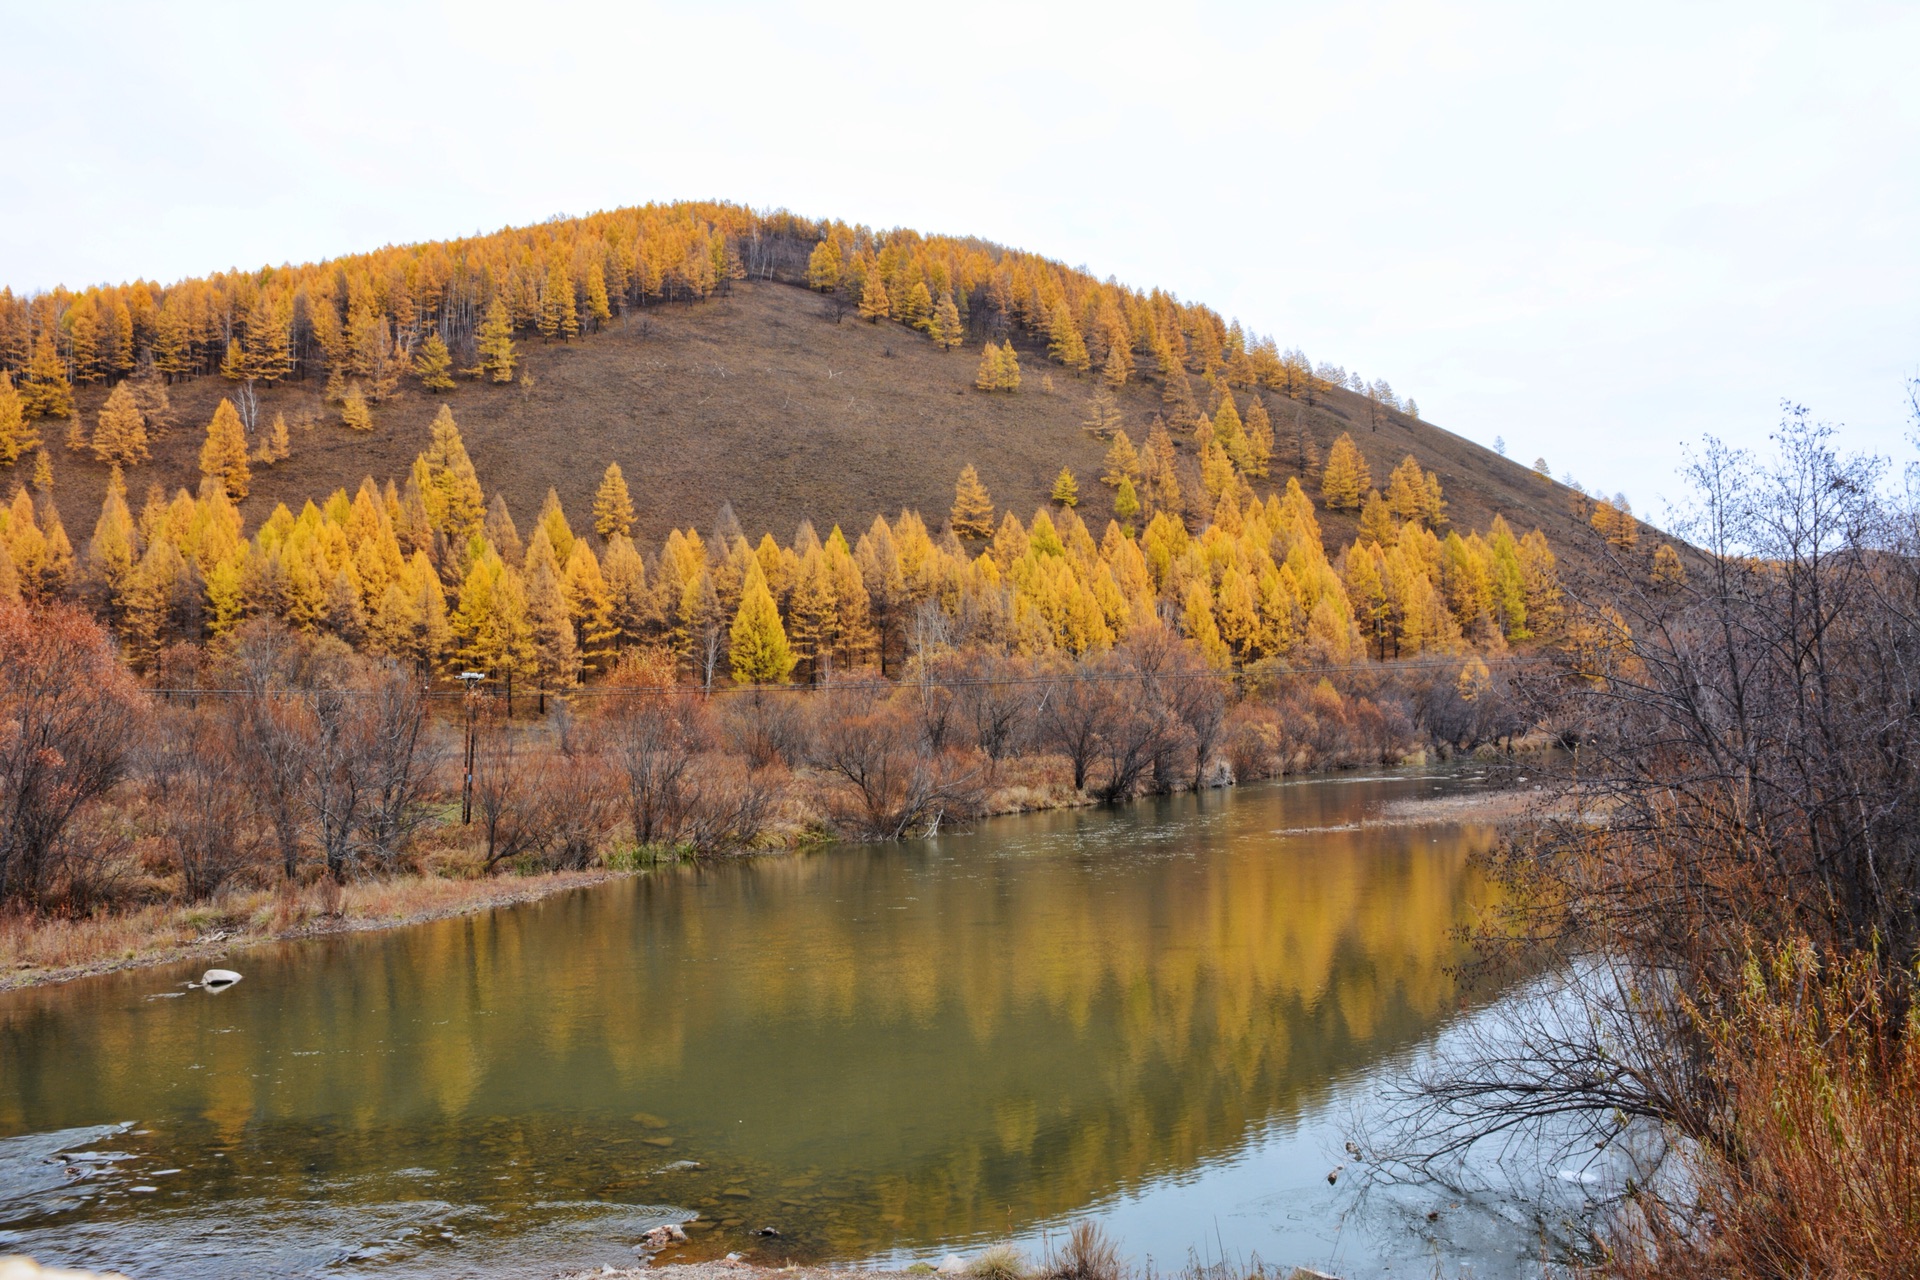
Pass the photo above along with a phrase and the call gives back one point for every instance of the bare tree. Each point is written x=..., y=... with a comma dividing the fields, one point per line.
x=398, y=757
x=652, y=735
x=1748, y=773
x=69, y=715
x=996, y=703
x=204, y=812
x=889, y=785
x=269, y=725
x=509, y=782
x=765, y=725
x=1073, y=715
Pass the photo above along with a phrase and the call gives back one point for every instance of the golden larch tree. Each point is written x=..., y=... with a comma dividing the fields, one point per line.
x=972, y=514
x=1346, y=478
x=434, y=364
x=18, y=436
x=495, y=341
x=612, y=504
x=1066, y=491
x=874, y=305
x=223, y=457
x=946, y=329
x=120, y=433
x=758, y=650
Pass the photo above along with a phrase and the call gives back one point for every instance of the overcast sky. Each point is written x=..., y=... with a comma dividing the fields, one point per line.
x=1596, y=231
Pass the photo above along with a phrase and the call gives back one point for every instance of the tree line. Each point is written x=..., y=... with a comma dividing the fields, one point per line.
x=441, y=309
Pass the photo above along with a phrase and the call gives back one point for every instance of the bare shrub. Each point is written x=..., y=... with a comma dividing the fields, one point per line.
x=767, y=726
x=884, y=783
x=509, y=786
x=270, y=724
x=652, y=730
x=1072, y=716
x=581, y=804
x=729, y=804
x=204, y=812
x=995, y=701
x=70, y=715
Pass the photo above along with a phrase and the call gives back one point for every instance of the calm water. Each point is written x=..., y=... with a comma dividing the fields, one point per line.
x=1157, y=1017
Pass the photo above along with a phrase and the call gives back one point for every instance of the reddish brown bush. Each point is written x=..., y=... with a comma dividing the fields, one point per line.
x=69, y=716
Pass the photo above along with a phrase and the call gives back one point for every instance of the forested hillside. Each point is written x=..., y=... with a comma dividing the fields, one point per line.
x=660, y=340
x=731, y=402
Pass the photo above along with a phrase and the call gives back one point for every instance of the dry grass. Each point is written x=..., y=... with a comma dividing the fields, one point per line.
x=1815, y=1168
x=759, y=400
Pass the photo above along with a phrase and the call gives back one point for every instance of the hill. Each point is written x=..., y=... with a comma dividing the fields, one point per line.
x=764, y=399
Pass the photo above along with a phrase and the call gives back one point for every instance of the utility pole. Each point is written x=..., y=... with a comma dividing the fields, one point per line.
x=471, y=679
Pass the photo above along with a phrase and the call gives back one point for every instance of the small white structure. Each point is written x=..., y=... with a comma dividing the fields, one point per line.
x=218, y=979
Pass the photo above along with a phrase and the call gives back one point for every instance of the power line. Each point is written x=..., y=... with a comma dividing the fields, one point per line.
x=878, y=686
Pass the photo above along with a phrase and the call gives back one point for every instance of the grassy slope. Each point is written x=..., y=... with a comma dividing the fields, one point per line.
x=761, y=400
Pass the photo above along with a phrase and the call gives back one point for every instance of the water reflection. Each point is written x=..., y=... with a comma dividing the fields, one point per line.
x=868, y=1050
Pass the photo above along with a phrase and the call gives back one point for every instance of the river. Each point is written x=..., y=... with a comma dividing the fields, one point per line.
x=1158, y=1016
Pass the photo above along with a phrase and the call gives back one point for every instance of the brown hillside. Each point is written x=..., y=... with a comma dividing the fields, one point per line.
x=761, y=399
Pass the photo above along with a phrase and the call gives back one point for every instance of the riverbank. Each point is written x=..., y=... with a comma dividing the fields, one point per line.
x=36, y=951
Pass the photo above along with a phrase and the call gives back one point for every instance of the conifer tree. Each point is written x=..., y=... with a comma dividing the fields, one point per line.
x=987, y=376
x=1259, y=435
x=1433, y=505
x=1669, y=574
x=599, y=311
x=1197, y=621
x=120, y=437
x=1176, y=391
x=278, y=445
x=112, y=551
x=501, y=533
x=1007, y=369
x=448, y=485
x=1160, y=471
x=1377, y=524
x=18, y=436
x=947, y=330
x=1118, y=366
x=590, y=605
x=1126, y=503
x=1346, y=476
x=224, y=455
x=1064, y=342
x=559, y=315
x=758, y=650
x=972, y=515
x=555, y=646
x=495, y=341
x=1066, y=492
x=9, y=576
x=918, y=310
x=46, y=393
x=612, y=505
x=823, y=267
x=434, y=364
x=1103, y=414
x=42, y=471
x=554, y=520
x=354, y=413
x=1123, y=461
x=874, y=305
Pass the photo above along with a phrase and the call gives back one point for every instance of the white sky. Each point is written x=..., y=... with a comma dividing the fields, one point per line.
x=1597, y=231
